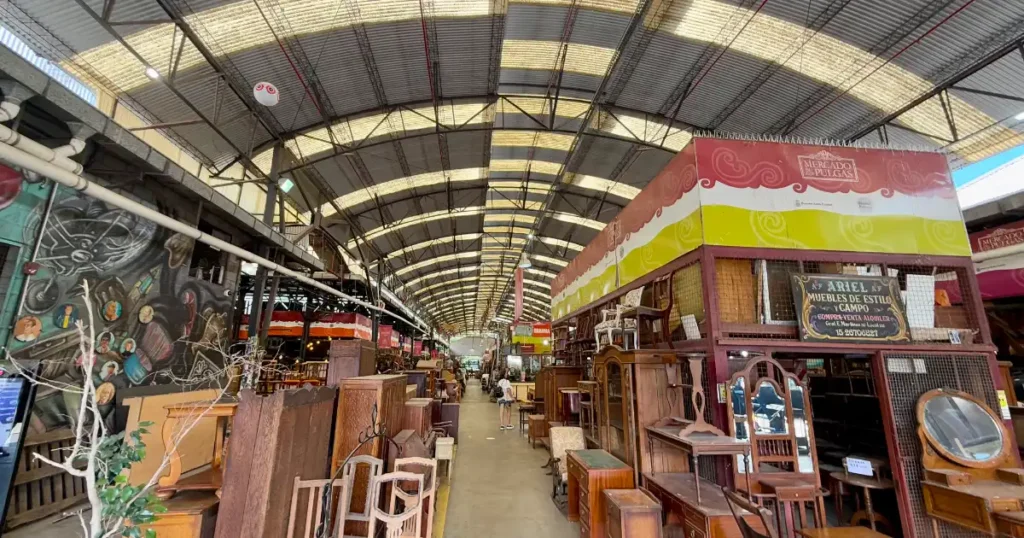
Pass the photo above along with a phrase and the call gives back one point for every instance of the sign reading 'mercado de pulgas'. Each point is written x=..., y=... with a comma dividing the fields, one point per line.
x=849, y=308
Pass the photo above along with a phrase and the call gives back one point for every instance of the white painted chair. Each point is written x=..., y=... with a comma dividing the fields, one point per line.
x=310, y=493
x=404, y=524
x=619, y=324
x=374, y=467
x=427, y=468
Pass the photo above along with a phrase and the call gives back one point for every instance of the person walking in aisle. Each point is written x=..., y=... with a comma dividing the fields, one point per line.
x=505, y=403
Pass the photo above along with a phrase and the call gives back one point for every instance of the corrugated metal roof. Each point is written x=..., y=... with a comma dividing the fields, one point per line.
x=834, y=80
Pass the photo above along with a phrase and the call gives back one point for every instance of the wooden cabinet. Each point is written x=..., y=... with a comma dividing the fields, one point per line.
x=350, y=358
x=549, y=380
x=418, y=415
x=357, y=397
x=708, y=518
x=590, y=473
x=631, y=513
x=634, y=392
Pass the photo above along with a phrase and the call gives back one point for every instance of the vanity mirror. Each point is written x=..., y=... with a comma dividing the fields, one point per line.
x=770, y=408
x=971, y=476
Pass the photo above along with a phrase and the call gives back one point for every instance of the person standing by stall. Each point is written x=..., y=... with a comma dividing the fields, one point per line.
x=505, y=403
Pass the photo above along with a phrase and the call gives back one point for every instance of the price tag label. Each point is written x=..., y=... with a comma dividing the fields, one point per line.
x=1004, y=405
x=858, y=466
x=722, y=393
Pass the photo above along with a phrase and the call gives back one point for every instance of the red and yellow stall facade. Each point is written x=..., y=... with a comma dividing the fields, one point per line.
x=843, y=264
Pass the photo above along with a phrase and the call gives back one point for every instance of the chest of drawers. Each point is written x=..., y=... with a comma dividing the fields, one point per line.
x=590, y=473
x=631, y=513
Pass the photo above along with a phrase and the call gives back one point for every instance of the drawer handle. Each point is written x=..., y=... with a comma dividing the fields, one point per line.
x=691, y=533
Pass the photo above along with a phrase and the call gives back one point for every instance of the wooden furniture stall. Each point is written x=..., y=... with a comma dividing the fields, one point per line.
x=971, y=475
x=550, y=379
x=732, y=292
x=631, y=513
x=635, y=391
x=274, y=439
x=350, y=358
x=590, y=473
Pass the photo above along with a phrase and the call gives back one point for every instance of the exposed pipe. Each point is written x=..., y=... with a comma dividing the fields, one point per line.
x=58, y=157
x=25, y=159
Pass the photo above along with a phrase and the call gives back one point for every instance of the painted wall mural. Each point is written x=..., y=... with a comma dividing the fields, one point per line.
x=149, y=316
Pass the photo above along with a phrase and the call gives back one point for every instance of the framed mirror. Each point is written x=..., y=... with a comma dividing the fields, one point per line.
x=962, y=429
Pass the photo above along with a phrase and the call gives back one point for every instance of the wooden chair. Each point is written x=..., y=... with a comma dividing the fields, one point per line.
x=619, y=323
x=734, y=500
x=404, y=524
x=271, y=378
x=350, y=474
x=314, y=372
x=312, y=493
x=563, y=439
x=428, y=469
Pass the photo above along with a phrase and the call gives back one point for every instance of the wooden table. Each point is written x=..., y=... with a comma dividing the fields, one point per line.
x=867, y=483
x=700, y=444
x=590, y=473
x=840, y=532
x=708, y=518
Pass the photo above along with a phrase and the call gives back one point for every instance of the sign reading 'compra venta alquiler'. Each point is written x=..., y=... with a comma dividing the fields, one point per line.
x=849, y=308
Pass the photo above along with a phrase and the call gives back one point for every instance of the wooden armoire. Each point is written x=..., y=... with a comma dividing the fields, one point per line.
x=547, y=382
x=356, y=398
x=635, y=391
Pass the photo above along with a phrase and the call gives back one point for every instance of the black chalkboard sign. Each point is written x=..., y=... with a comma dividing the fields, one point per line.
x=849, y=308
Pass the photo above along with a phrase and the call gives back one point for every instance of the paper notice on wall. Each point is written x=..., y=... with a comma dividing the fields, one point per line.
x=920, y=300
x=1004, y=405
x=858, y=466
x=690, y=327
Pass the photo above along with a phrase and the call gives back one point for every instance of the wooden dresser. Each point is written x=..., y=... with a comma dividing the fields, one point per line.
x=709, y=518
x=590, y=473
x=631, y=513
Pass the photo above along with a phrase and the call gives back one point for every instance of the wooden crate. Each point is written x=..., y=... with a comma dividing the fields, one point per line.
x=40, y=490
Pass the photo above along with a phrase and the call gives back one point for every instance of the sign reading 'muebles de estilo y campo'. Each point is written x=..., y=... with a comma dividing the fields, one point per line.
x=849, y=308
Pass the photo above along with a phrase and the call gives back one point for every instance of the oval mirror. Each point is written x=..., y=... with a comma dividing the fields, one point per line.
x=962, y=429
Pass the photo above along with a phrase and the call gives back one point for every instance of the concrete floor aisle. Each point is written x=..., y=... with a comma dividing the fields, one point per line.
x=499, y=489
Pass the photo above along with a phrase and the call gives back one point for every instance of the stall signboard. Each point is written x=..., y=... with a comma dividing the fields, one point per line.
x=771, y=195
x=849, y=308
x=290, y=323
x=417, y=347
x=384, y=333
x=532, y=338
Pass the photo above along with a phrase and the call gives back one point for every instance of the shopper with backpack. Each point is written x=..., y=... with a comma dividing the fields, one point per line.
x=505, y=403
